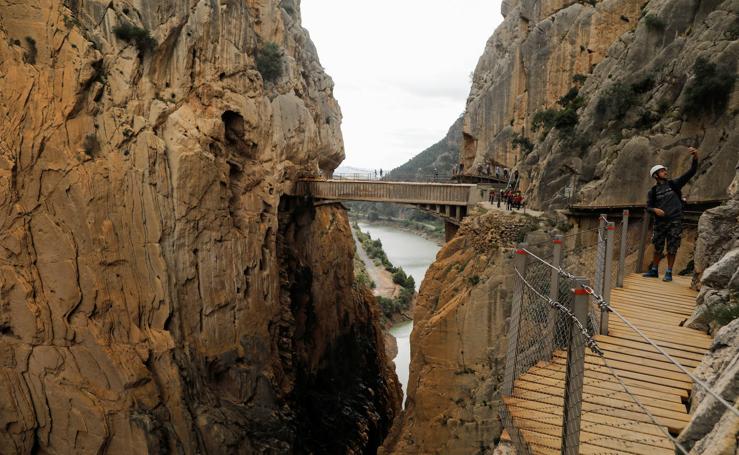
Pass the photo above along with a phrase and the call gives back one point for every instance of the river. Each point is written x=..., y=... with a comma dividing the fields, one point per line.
x=415, y=254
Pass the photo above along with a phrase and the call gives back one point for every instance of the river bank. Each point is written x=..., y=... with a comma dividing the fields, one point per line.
x=414, y=253
x=430, y=232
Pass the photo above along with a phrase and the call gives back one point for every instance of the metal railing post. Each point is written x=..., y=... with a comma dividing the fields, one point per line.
x=607, y=267
x=645, y=221
x=519, y=262
x=554, y=295
x=574, y=375
x=600, y=254
x=622, y=249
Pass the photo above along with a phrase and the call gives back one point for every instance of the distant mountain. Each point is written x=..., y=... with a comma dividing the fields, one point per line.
x=443, y=156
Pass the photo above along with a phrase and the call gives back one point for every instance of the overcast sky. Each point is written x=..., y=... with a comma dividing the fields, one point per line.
x=401, y=69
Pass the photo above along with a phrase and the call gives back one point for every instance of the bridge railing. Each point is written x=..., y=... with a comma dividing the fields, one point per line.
x=381, y=191
x=393, y=177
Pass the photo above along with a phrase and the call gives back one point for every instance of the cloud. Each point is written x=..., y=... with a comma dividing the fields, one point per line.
x=401, y=69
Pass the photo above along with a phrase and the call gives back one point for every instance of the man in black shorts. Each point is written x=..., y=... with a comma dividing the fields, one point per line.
x=665, y=201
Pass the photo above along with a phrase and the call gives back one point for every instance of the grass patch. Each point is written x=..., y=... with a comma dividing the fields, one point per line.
x=725, y=313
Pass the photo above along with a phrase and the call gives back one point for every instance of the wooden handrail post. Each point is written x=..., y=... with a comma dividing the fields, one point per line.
x=554, y=295
x=519, y=262
x=574, y=375
x=622, y=249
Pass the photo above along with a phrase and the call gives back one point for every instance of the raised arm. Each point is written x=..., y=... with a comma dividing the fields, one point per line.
x=683, y=179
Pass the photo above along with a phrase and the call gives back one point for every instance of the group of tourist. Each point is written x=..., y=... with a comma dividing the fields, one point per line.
x=512, y=199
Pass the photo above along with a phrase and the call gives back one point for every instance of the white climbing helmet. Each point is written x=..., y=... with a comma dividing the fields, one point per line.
x=655, y=169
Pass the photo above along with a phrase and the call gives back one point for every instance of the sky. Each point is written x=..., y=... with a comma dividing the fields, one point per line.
x=401, y=69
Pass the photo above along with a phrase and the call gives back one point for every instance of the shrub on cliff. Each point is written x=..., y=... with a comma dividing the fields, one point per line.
x=269, y=61
x=521, y=141
x=710, y=88
x=140, y=37
x=564, y=119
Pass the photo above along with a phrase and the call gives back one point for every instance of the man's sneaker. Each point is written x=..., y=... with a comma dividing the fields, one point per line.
x=652, y=273
x=668, y=276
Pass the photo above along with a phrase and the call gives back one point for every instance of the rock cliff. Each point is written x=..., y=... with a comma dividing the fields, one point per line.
x=458, y=341
x=591, y=94
x=158, y=293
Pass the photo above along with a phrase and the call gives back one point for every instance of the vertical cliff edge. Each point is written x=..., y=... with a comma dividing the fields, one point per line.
x=158, y=292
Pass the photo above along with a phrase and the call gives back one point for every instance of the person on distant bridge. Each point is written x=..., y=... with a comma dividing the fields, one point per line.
x=665, y=201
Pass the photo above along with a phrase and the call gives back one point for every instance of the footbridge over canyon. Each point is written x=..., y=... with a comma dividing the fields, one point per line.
x=449, y=201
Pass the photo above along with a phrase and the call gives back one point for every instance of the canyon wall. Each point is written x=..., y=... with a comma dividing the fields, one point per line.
x=587, y=95
x=458, y=341
x=158, y=293
x=618, y=80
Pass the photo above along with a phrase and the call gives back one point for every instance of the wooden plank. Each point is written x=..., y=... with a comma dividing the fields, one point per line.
x=660, y=362
x=603, y=436
x=657, y=321
x=642, y=430
x=658, y=334
x=595, y=394
x=630, y=382
x=645, y=377
x=645, y=354
x=661, y=306
x=631, y=335
x=674, y=425
x=609, y=406
x=643, y=345
x=634, y=313
x=647, y=368
x=556, y=378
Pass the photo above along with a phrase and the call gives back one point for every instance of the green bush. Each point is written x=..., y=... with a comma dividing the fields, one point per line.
x=644, y=85
x=617, y=100
x=564, y=119
x=710, y=88
x=140, y=37
x=579, y=78
x=473, y=280
x=523, y=143
x=269, y=61
x=646, y=120
x=654, y=22
x=724, y=314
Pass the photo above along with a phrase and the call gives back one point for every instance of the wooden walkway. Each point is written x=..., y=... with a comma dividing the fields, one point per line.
x=611, y=421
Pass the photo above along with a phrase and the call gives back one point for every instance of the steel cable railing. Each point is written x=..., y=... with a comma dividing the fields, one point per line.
x=545, y=349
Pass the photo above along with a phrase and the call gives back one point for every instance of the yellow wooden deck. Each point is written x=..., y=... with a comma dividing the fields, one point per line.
x=611, y=421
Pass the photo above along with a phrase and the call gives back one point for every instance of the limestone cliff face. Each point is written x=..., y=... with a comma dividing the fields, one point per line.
x=157, y=291
x=633, y=57
x=458, y=341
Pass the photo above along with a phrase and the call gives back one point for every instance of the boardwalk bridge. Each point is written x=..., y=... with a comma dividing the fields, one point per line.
x=449, y=201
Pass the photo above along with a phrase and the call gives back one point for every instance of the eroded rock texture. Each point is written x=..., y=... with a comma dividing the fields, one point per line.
x=458, y=341
x=632, y=63
x=153, y=295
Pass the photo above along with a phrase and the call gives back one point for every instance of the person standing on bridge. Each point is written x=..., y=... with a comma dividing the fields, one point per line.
x=665, y=201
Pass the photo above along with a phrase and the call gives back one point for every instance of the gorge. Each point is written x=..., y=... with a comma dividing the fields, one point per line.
x=164, y=290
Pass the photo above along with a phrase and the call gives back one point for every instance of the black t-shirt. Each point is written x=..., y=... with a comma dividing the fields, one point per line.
x=668, y=200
